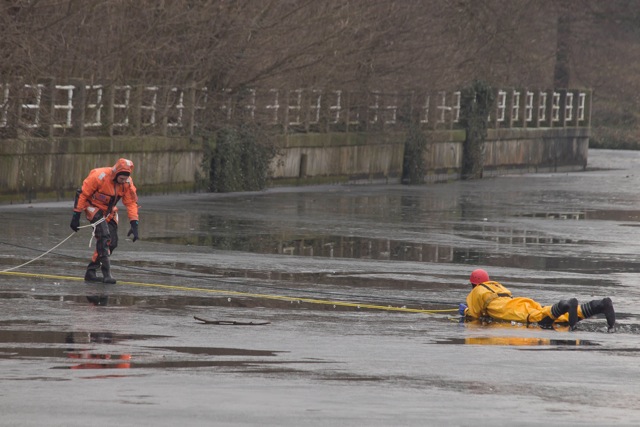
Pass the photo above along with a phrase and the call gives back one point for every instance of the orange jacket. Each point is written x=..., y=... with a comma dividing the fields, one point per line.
x=100, y=190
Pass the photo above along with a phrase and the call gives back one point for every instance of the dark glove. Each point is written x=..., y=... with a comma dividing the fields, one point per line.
x=75, y=221
x=461, y=309
x=133, y=230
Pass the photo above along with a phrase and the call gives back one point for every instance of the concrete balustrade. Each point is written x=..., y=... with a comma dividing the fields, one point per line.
x=52, y=133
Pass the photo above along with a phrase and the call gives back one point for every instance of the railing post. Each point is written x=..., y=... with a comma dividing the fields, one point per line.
x=550, y=101
x=162, y=106
x=576, y=103
x=14, y=107
x=563, y=107
x=590, y=106
x=536, y=108
x=190, y=109
x=136, y=109
x=79, y=107
x=47, y=103
x=109, y=98
x=347, y=110
x=285, y=116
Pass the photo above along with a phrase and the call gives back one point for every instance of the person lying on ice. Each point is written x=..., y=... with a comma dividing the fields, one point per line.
x=101, y=191
x=491, y=299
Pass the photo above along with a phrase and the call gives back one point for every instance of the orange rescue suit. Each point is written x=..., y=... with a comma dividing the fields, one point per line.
x=491, y=299
x=101, y=192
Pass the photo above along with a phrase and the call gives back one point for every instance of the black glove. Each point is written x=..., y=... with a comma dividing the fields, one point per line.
x=133, y=230
x=75, y=221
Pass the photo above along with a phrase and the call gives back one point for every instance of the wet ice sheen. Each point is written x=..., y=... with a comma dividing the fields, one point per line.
x=134, y=355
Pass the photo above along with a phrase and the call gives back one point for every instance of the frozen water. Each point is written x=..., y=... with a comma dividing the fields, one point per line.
x=305, y=259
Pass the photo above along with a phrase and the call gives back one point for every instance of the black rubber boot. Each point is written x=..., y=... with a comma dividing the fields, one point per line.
x=560, y=308
x=90, y=275
x=603, y=306
x=610, y=314
x=106, y=271
x=573, y=314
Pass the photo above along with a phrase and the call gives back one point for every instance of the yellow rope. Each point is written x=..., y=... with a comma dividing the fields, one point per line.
x=244, y=294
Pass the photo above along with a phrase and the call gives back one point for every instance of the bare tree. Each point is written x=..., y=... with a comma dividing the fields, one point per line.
x=359, y=45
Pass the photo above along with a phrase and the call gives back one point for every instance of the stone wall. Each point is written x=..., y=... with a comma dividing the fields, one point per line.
x=52, y=168
x=359, y=157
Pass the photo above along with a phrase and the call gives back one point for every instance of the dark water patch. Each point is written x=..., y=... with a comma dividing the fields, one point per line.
x=276, y=297
x=253, y=366
x=594, y=264
x=53, y=337
x=383, y=287
x=629, y=327
x=13, y=295
x=617, y=351
x=17, y=322
x=613, y=215
x=321, y=286
x=162, y=302
x=220, y=351
x=589, y=214
x=511, y=235
x=221, y=276
x=114, y=299
x=47, y=379
x=573, y=215
x=31, y=352
x=56, y=352
x=350, y=378
x=512, y=243
x=324, y=246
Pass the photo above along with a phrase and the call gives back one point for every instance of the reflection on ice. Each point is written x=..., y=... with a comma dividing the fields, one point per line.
x=518, y=341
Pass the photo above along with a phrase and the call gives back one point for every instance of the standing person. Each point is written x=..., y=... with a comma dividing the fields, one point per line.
x=101, y=191
x=491, y=299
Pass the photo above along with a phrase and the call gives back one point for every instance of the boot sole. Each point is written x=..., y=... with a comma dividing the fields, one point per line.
x=609, y=313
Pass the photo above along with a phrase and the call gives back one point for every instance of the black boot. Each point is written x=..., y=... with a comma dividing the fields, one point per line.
x=573, y=313
x=106, y=270
x=562, y=307
x=598, y=307
x=90, y=275
x=609, y=313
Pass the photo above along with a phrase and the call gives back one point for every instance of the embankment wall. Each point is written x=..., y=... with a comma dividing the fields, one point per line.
x=33, y=169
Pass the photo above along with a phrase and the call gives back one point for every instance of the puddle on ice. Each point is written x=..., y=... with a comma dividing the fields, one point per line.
x=42, y=336
x=517, y=341
x=87, y=350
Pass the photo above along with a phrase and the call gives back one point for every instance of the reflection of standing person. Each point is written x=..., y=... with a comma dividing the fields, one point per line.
x=95, y=360
x=491, y=299
x=101, y=191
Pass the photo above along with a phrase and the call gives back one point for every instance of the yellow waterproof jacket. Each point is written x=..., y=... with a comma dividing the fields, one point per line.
x=491, y=299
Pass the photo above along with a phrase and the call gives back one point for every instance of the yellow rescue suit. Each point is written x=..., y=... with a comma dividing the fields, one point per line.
x=491, y=299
